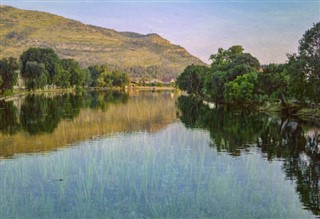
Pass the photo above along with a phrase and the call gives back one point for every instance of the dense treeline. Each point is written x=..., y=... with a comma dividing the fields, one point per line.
x=41, y=67
x=235, y=77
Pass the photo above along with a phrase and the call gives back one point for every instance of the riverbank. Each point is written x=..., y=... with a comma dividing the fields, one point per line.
x=21, y=92
x=152, y=88
x=304, y=113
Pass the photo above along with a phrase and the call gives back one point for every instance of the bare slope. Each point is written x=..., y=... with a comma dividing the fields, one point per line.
x=142, y=55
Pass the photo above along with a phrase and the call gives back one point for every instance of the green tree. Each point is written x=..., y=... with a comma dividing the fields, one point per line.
x=95, y=72
x=247, y=59
x=224, y=57
x=192, y=79
x=102, y=76
x=87, y=80
x=228, y=65
x=9, y=73
x=35, y=75
x=309, y=59
x=105, y=78
x=273, y=82
x=45, y=56
x=75, y=71
x=119, y=79
x=62, y=78
x=214, y=85
x=242, y=90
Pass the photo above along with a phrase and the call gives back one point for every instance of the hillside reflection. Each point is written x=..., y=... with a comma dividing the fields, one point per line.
x=293, y=141
x=39, y=123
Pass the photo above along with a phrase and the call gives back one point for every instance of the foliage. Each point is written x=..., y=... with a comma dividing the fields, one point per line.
x=102, y=76
x=227, y=66
x=62, y=78
x=48, y=58
x=95, y=71
x=76, y=73
x=66, y=72
x=214, y=85
x=309, y=61
x=119, y=79
x=192, y=79
x=87, y=80
x=237, y=77
x=273, y=82
x=246, y=59
x=35, y=75
x=242, y=90
x=8, y=73
x=224, y=57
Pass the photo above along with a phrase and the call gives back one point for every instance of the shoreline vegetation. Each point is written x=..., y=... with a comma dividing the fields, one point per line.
x=40, y=70
x=237, y=80
x=234, y=79
x=22, y=92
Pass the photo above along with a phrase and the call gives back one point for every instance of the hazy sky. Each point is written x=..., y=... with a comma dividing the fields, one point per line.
x=268, y=29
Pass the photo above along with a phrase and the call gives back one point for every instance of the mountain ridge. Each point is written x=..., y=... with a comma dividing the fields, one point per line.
x=141, y=55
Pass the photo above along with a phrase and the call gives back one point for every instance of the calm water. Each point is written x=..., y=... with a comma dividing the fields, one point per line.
x=151, y=155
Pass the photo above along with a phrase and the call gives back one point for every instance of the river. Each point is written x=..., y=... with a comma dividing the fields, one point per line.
x=153, y=155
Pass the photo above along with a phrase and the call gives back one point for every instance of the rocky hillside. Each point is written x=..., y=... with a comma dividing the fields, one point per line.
x=142, y=55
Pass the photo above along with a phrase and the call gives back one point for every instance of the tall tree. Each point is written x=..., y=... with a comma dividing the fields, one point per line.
x=76, y=73
x=228, y=65
x=309, y=58
x=119, y=79
x=95, y=72
x=35, y=75
x=224, y=57
x=192, y=79
x=9, y=73
x=45, y=56
x=273, y=82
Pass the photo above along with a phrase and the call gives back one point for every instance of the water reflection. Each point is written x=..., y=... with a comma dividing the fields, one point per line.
x=149, y=165
x=293, y=141
x=8, y=118
x=42, y=114
x=39, y=123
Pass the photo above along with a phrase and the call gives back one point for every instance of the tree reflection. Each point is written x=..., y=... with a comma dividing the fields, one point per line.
x=8, y=118
x=281, y=138
x=102, y=100
x=41, y=114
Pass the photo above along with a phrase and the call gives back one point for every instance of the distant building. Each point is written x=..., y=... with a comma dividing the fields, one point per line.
x=155, y=81
x=168, y=80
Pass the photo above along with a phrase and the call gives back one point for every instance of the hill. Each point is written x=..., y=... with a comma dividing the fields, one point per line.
x=141, y=55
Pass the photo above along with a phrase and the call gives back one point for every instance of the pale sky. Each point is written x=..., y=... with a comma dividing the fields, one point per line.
x=268, y=29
